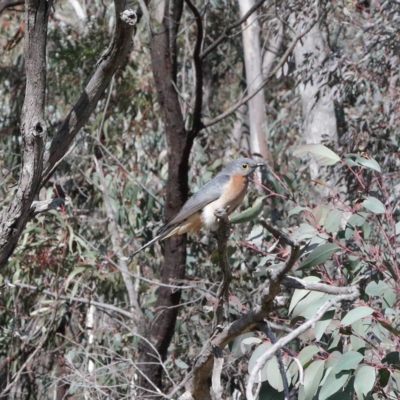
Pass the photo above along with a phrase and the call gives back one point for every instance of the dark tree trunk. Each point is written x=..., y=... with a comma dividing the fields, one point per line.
x=179, y=142
x=33, y=128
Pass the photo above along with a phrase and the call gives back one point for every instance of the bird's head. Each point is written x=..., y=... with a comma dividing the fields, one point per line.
x=243, y=166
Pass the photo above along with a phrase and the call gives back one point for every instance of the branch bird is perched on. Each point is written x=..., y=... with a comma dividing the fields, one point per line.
x=225, y=191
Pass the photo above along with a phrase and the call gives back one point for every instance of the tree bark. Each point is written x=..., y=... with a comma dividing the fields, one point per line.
x=254, y=78
x=319, y=118
x=179, y=142
x=36, y=168
x=33, y=128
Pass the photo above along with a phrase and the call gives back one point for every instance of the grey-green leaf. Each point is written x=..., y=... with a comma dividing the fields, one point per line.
x=356, y=314
x=320, y=255
x=347, y=361
x=374, y=205
x=250, y=213
x=322, y=154
x=365, y=380
x=312, y=378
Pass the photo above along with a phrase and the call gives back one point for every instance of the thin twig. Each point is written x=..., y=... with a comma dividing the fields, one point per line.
x=116, y=241
x=39, y=346
x=267, y=330
x=9, y=3
x=198, y=102
x=71, y=299
x=288, y=338
x=228, y=29
x=264, y=83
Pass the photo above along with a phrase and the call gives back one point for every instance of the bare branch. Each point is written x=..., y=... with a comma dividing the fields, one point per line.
x=46, y=205
x=228, y=29
x=216, y=375
x=268, y=331
x=82, y=300
x=117, y=245
x=9, y=3
x=197, y=124
x=297, y=283
x=223, y=290
x=288, y=338
x=108, y=63
x=270, y=76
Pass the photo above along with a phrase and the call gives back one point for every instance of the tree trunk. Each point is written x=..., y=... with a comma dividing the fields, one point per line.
x=159, y=332
x=319, y=118
x=33, y=128
x=254, y=78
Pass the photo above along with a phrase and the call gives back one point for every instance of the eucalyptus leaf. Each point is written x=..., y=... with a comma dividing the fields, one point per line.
x=374, y=205
x=320, y=255
x=322, y=154
x=355, y=314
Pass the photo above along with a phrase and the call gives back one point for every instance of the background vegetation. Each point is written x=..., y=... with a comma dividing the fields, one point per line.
x=81, y=318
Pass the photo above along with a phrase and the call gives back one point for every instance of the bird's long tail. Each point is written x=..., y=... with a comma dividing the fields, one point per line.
x=163, y=233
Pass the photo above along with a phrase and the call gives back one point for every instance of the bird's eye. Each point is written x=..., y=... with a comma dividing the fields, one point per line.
x=245, y=166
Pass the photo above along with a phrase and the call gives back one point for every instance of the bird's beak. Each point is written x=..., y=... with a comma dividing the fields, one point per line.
x=260, y=165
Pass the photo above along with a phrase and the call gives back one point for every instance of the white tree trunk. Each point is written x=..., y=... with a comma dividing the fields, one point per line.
x=319, y=119
x=254, y=78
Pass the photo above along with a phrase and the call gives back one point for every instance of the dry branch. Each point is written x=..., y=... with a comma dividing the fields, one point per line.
x=108, y=63
x=223, y=290
x=293, y=335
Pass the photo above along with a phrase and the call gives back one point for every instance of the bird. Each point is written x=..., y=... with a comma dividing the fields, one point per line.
x=226, y=191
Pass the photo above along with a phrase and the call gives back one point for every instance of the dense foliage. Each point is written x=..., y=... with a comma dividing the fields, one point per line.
x=65, y=314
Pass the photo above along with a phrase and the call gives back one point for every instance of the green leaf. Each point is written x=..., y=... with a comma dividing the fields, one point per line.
x=356, y=314
x=332, y=221
x=384, y=375
x=365, y=380
x=374, y=205
x=238, y=349
x=258, y=352
x=369, y=163
x=322, y=154
x=250, y=213
x=72, y=275
x=332, y=384
x=364, y=162
x=181, y=364
x=390, y=328
x=274, y=375
x=347, y=361
x=312, y=378
x=319, y=255
x=297, y=210
x=376, y=288
x=392, y=359
x=304, y=357
x=312, y=308
x=397, y=228
x=322, y=324
x=357, y=219
x=300, y=293
x=306, y=303
x=389, y=298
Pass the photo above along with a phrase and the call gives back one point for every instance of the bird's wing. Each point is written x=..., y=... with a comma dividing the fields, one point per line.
x=210, y=192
